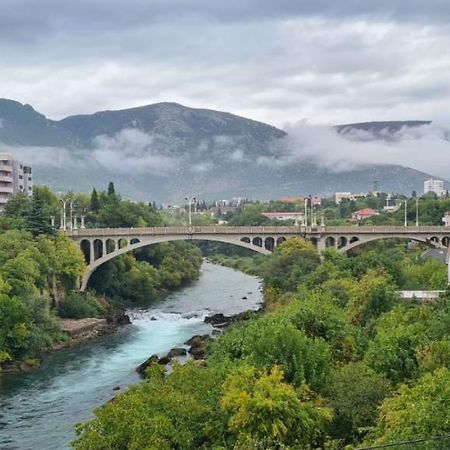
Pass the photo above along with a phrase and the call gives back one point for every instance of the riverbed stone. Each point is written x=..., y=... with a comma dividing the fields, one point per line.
x=143, y=367
x=177, y=351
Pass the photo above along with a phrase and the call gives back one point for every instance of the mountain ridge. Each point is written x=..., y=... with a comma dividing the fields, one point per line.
x=165, y=150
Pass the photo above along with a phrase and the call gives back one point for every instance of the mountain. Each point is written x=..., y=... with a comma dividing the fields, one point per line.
x=165, y=151
x=22, y=125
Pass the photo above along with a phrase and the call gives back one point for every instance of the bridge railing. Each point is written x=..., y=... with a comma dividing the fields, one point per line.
x=254, y=230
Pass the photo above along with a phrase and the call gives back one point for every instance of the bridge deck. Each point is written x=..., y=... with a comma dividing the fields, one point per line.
x=281, y=230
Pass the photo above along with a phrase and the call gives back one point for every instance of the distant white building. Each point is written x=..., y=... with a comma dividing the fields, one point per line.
x=15, y=177
x=339, y=196
x=436, y=186
x=446, y=219
x=297, y=216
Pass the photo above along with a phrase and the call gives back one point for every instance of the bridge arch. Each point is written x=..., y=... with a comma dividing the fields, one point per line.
x=434, y=243
x=136, y=243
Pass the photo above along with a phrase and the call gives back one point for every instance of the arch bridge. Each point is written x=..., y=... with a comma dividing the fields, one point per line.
x=100, y=245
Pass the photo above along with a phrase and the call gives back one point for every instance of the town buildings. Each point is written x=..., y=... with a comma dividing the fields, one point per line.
x=15, y=177
x=436, y=186
x=339, y=196
x=297, y=216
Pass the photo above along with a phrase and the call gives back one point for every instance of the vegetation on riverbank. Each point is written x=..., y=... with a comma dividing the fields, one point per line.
x=337, y=359
x=40, y=270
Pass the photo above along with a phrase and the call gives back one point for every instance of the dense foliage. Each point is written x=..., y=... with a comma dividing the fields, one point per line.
x=337, y=359
x=35, y=274
x=40, y=269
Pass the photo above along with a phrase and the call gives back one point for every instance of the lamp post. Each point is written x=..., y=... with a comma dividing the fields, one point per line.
x=306, y=211
x=190, y=200
x=417, y=211
x=63, y=225
x=71, y=214
x=406, y=213
x=63, y=215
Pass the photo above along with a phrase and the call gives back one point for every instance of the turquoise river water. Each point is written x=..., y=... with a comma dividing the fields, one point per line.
x=38, y=410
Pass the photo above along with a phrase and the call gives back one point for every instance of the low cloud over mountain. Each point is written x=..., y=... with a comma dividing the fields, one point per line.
x=164, y=151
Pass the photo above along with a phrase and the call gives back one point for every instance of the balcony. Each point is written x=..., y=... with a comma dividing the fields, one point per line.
x=6, y=178
x=6, y=190
x=6, y=167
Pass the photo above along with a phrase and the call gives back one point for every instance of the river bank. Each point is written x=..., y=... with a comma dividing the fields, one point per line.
x=38, y=410
x=75, y=332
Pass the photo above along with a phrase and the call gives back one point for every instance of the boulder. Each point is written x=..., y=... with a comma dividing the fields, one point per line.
x=218, y=319
x=177, y=351
x=198, y=345
x=142, y=367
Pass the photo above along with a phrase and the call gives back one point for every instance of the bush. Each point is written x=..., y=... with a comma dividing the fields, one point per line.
x=78, y=306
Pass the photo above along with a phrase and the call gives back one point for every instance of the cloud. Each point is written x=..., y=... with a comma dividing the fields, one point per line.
x=237, y=155
x=201, y=167
x=274, y=61
x=131, y=151
x=425, y=148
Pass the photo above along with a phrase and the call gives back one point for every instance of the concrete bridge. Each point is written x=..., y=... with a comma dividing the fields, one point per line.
x=103, y=244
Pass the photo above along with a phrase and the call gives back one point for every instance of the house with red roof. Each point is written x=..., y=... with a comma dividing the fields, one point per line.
x=364, y=213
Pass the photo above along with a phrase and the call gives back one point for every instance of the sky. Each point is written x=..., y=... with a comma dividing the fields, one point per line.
x=278, y=61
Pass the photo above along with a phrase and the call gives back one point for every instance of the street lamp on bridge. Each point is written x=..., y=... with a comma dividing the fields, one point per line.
x=190, y=200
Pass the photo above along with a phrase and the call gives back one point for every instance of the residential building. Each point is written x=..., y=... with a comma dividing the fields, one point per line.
x=292, y=199
x=15, y=177
x=436, y=186
x=363, y=214
x=446, y=219
x=339, y=196
x=297, y=216
x=316, y=200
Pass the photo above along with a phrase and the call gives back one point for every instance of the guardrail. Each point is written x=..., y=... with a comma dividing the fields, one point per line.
x=260, y=230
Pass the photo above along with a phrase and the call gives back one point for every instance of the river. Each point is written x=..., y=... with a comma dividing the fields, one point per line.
x=38, y=410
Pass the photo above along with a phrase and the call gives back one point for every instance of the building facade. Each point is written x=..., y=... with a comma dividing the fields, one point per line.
x=15, y=177
x=436, y=186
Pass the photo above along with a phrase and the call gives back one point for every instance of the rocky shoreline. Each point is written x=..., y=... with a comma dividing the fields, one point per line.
x=196, y=347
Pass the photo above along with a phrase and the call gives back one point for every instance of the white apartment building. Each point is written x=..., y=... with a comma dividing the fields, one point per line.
x=436, y=186
x=14, y=177
x=339, y=196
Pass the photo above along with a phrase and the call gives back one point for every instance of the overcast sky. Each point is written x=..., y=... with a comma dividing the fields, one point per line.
x=277, y=61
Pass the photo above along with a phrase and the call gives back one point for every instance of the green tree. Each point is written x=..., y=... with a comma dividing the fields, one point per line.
x=38, y=220
x=354, y=391
x=95, y=201
x=177, y=412
x=416, y=411
x=111, y=189
x=263, y=407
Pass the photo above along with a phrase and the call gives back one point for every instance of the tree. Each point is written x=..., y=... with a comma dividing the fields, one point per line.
x=111, y=189
x=417, y=411
x=290, y=264
x=354, y=391
x=95, y=201
x=272, y=340
x=264, y=408
x=393, y=350
x=38, y=220
x=18, y=207
x=374, y=296
x=177, y=412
